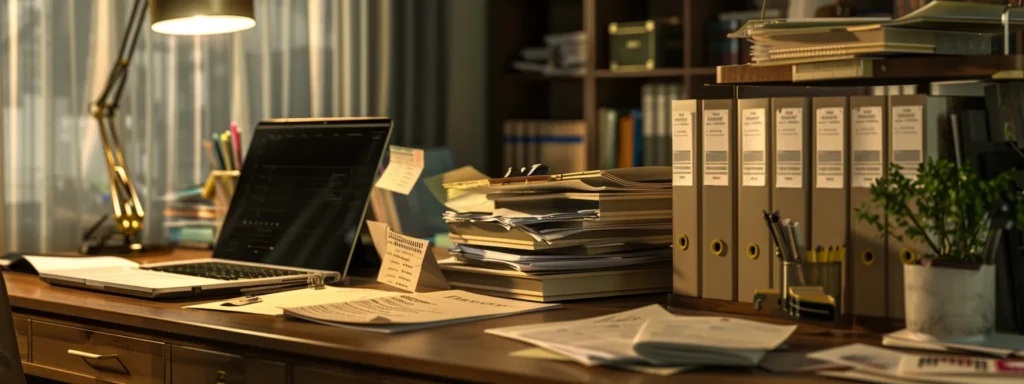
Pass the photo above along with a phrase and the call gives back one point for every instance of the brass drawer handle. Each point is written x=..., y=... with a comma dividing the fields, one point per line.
x=88, y=358
x=93, y=356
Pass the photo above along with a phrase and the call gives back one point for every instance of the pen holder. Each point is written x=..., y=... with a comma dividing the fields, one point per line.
x=220, y=188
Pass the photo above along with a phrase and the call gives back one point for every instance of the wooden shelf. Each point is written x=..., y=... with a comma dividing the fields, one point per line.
x=530, y=77
x=657, y=72
x=897, y=70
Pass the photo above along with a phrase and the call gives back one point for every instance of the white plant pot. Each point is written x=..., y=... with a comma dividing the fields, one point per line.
x=950, y=302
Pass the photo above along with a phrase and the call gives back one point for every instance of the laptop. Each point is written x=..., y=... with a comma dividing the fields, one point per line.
x=295, y=217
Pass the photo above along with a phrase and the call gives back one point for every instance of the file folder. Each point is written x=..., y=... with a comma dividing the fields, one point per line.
x=718, y=203
x=830, y=197
x=918, y=126
x=867, y=252
x=754, y=257
x=791, y=165
x=686, y=189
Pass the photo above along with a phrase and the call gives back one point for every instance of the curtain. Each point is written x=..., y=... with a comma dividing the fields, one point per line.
x=304, y=58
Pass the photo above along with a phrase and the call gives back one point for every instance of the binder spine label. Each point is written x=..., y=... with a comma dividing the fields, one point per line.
x=908, y=138
x=716, y=147
x=752, y=128
x=789, y=147
x=830, y=156
x=682, y=148
x=866, y=145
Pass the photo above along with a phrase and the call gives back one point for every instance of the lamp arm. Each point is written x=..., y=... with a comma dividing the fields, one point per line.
x=128, y=212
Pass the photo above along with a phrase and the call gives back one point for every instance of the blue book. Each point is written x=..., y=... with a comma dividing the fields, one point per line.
x=638, y=137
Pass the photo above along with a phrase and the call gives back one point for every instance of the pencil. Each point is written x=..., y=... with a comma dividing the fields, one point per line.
x=226, y=152
x=236, y=145
x=211, y=156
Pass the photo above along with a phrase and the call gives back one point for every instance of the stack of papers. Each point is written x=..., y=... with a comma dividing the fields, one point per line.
x=998, y=344
x=940, y=27
x=880, y=365
x=541, y=262
x=406, y=312
x=652, y=336
x=618, y=219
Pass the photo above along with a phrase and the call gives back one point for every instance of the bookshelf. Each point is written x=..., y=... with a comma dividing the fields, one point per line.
x=515, y=24
x=896, y=70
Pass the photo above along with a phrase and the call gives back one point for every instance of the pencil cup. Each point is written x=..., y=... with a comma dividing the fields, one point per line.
x=220, y=188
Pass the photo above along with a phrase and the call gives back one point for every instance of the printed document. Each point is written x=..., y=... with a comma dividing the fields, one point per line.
x=882, y=365
x=271, y=304
x=413, y=311
x=705, y=340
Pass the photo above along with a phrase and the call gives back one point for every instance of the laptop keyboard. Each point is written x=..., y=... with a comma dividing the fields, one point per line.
x=225, y=271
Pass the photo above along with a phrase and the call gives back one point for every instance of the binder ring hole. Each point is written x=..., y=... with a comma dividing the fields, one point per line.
x=867, y=257
x=684, y=242
x=718, y=247
x=908, y=256
x=753, y=251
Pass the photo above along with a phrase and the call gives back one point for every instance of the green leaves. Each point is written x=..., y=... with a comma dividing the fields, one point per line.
x=940, y=204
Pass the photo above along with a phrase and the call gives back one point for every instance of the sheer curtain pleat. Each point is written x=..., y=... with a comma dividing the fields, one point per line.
x=303, y=58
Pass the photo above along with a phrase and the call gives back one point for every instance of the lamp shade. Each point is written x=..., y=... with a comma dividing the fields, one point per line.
x=200, y=17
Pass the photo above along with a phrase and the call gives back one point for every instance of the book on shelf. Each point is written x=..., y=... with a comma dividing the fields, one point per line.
x=639, y=136
x=559, y=144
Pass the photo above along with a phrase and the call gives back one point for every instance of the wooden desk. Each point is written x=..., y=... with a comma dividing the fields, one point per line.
x=160, y=342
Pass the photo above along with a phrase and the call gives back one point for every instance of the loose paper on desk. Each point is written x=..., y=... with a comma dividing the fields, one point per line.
x=404, y=168
x=730, y=341
x=271, y=304
x=406, y=264
x=595, y=341
x=413, y=311
x=881, y=365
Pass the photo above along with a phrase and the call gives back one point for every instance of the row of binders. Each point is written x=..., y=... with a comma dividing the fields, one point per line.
x=813, y=160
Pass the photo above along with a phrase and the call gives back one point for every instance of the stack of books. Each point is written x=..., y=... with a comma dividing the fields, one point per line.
x=563, y=236
x=563, y=54
x=938, y=28
x=190, y=220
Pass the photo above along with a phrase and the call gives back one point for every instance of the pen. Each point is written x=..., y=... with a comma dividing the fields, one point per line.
x=783, y=245
x=774, y=234
x=793, y=245
x=799, y=238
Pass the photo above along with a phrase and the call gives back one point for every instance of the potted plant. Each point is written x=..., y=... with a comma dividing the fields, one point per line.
x=949, y=288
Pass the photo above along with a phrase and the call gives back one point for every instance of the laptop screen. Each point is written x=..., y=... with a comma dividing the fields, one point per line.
x=303, y=191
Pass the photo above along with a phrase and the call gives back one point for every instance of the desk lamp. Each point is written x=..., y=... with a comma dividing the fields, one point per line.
x=173, y=17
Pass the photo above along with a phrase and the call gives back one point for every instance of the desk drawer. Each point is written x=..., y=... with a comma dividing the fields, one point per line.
x=23, y=332
x=197, y=366
x=97, y=355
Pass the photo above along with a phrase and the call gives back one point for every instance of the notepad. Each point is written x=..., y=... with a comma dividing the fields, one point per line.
x=46, y=264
